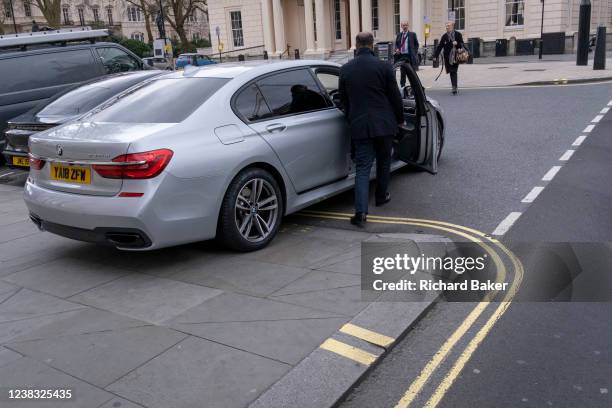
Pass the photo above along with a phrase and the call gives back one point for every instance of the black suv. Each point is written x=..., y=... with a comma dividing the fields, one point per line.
x=32, y=76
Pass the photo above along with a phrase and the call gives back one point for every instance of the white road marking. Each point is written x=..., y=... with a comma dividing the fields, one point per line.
x=610, y=103
x=567, y=155
x=579, y=140
x=551, y=173
x=605, y=110
x=533, y=194
x=7, y=174
x=588, y=129
x=597, y=119
x=507, y=223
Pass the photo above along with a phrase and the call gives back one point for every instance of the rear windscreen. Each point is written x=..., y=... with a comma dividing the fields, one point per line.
x=160, y=101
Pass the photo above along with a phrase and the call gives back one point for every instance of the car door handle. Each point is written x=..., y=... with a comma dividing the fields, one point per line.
x=276, y=127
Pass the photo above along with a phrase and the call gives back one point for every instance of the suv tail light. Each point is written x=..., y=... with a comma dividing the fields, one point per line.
x=36, y=163
x=136, y=165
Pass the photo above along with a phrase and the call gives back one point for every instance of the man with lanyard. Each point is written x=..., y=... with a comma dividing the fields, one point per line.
x=406, y=48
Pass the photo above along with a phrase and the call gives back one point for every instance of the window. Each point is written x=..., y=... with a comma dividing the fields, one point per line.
x=137, y=36
x=143, y=104
x=458, y=6
x=47, y=69
x=133, y=14
x=396, y=16
x=81, y=16
x=330, y=81
x=96, y=14
x=66, y=15
x=293, y=92
x=515, y=10
x=116, y=60
x=27, y=9
x=195, y=36
x=109, y=15
x=337, y=20
x=236, y=23
x=7, y=9
x=251, y=105
x=193, y=17
x=374, y=14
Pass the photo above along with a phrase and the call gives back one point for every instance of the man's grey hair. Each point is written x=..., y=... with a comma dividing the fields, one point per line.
x=364, y=40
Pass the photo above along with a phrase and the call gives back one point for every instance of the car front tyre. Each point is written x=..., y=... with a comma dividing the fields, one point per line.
x=252, y=211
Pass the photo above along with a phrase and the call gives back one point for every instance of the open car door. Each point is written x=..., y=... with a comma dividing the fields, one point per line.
x=416, y=142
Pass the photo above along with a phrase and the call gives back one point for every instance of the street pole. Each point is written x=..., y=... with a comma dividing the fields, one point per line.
x=13, y=15
x=162, y=26
x=542, y=32
x=584, y=27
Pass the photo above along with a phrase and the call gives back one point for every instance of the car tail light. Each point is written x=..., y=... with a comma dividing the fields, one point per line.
x=136, y=165
x=36, y=163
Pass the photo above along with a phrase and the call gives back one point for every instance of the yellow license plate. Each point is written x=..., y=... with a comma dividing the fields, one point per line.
x=21, y=161
x=71, y=174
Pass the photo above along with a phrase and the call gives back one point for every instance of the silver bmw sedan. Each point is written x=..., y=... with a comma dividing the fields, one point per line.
x=222, y=151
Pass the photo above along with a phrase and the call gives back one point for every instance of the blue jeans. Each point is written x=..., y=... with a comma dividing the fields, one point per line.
x=366, y=150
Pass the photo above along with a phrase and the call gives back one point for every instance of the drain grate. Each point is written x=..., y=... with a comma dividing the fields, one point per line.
x=534, y=70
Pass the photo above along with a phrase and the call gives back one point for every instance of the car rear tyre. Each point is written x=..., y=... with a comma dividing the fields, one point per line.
x=252, y=211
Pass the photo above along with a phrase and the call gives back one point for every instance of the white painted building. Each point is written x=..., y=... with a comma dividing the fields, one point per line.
x=318, y=27
x=123, y=17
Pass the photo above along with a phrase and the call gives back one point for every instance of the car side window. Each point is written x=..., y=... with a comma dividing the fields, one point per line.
x=116, y=60
x=250, y=104
x=329, y=80
x=292, y=92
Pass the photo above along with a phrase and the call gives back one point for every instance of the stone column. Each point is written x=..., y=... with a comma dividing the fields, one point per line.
x=417, y=19
x=366, y=15
x=322, y=29
x=354, y=17
x=404, y=11
x=268, y=26
x=279, y=27
x=309, y=21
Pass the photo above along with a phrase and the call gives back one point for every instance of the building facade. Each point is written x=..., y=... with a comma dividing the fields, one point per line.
x=319, y=27
x=123, y=17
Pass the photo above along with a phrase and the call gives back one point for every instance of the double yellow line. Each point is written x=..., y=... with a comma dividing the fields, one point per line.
x=486, y=242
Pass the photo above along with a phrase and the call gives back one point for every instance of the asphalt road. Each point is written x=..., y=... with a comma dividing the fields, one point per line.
x=499, y=144
x=535, y=354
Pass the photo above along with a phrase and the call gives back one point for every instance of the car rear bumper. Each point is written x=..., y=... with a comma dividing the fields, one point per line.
x=162, y=217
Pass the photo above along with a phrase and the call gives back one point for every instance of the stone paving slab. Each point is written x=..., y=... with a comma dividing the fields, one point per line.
x=146, y=297
x=198, y=372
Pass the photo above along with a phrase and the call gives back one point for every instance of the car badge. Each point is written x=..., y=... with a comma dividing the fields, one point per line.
x=59, y=150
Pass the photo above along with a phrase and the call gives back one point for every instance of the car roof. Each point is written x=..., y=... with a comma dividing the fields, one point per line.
x=44, y=48
x=231, y=70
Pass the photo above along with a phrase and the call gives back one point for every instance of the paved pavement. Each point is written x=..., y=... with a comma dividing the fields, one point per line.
x=183, y=325
x=511, y=72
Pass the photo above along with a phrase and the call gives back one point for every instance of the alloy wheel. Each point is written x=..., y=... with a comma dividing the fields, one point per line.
x=256, y=210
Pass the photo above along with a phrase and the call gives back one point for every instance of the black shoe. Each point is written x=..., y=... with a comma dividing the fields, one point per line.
x=380, y=203
x=359, y=220
x=455, y=91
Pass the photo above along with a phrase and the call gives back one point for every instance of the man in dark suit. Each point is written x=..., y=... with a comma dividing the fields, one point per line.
x=406, y=50
x=451, y=40
x=373, y=106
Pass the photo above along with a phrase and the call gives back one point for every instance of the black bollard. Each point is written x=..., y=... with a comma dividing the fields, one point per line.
x=241, y=57
x=584, y=27
x=265, y=55
x=297, y=54
x=436, y=61
x=599, y=61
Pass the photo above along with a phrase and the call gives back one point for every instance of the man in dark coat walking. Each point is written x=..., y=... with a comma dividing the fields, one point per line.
x=450, y=41
x=373, y=106
x=406, y=50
